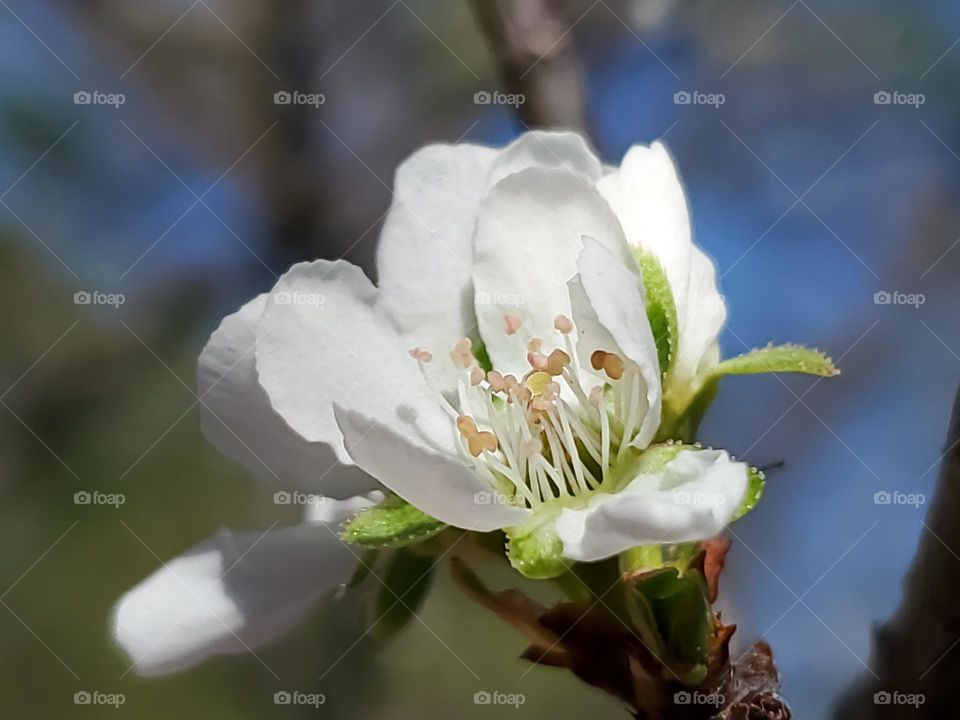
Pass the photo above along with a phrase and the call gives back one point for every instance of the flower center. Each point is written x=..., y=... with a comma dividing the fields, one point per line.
x=547, y=437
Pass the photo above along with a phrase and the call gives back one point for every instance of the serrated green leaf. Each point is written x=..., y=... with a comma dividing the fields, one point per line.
x=661, y=307
x=391, y=524
x=778, y=359
x=406, y=582
x=756, y=481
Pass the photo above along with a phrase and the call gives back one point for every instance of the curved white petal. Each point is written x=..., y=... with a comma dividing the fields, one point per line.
x=609, y=311
x=426, y=250
x=647, y=196
x=440, y=484
x=322, y=341
x=693, y=498
x=232, y=593
x=529, y=234
x=236, y=416
x=547, y=149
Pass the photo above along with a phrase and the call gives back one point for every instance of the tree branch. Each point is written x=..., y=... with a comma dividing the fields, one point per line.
x=532, y=45
x=914, y=653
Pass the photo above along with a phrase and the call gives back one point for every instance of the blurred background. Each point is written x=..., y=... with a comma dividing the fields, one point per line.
x=182, y=189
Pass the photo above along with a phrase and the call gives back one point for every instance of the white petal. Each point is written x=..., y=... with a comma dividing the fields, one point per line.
x=441, y=485
x=236, y=416
x=540, y=148
x=228, y=595
x=426, y=250
x=323, y=341
x=609, y=312
x=693, y=498
x=528, y=239
x=647, y=196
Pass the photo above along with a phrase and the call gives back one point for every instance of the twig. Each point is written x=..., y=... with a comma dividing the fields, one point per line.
x=531, y=40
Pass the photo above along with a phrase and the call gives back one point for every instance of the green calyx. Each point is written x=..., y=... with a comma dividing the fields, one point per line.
x=393, y=523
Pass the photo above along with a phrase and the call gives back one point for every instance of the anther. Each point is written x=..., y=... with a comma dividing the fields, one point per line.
x=511, y=323
x=563, y=324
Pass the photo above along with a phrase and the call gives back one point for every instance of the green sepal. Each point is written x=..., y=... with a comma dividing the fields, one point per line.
x=661, y=307
x=405, y=584
x=393, y=523
x=777, y=359
x=534, y=549
x=756, y=481
x=672, y=611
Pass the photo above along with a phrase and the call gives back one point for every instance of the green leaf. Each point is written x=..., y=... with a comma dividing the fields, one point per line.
x=661, y=307
x=778, y=359
x=406, y=583
x=391, y=524
x=755, y=484
x=534, y=549
x=674, y=609
x=483, y=357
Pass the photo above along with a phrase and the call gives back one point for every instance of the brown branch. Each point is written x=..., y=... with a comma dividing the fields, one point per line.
x=913, y=652
x=531, y=41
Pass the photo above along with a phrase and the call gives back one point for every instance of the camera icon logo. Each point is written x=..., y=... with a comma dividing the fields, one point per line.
x=682, y=697
x=882, y=497
x=282, y=97
x=482, y=97
x=882, y=97
x=282, y=497
x=282, y=697
x=82, y=297
x=482, y=498
x=882, y=698
x=82, y=97
x=82, y=698
x=882, y=297
x=682, y=97
x=82, y=498
x=481, y=697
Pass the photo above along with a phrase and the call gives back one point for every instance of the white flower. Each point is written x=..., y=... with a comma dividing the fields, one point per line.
x=331, y=384
x=483, y=243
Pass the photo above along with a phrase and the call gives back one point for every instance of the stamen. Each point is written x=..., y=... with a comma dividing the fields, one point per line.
x=563, y=324
x=421, y=355
x=557, y=361
x=461, y=355
x=511, y=323
x=476, y=375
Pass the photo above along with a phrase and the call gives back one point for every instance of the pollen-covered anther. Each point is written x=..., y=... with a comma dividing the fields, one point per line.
x=421, y=355
x=466, y=425
x=563, y=324
x=596, y=359
x=495, y=380
x=613, y=366
x=557, y=361
x=537, y=361
x=535, y=345
x=511, y=323
x=482, y=441
x=476, y=375
x=461, y=355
